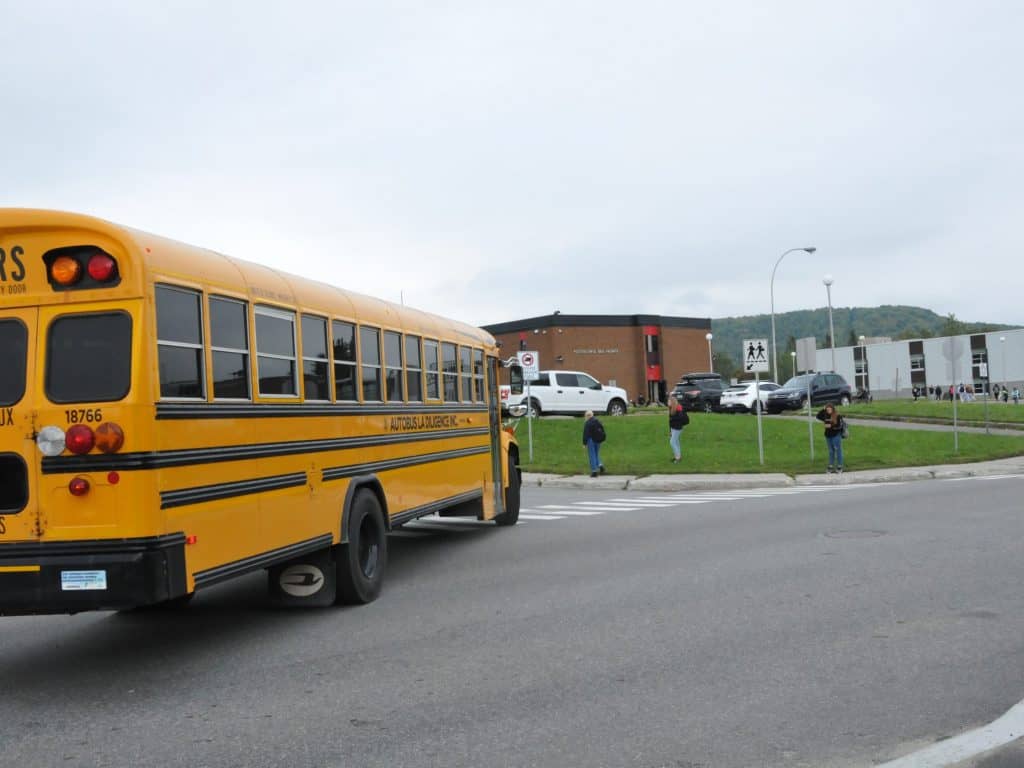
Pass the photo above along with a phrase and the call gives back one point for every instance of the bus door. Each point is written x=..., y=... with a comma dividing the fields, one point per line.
x=494, y=422
x=19, y=456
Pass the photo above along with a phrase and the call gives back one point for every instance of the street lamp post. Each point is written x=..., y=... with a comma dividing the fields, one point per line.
x=771, y=290
x=792, y=359
x=831, y=328
x=711, y=362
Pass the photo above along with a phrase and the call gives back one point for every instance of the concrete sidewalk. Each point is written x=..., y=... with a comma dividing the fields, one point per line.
x=684, y=482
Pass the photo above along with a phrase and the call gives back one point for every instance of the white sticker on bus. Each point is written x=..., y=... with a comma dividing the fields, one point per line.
x=74, y=581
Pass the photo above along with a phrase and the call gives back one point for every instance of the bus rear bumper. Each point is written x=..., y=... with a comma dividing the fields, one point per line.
x=74, y=576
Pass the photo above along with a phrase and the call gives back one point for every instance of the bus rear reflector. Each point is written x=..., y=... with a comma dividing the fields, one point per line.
x=78, y=486
x=65, y=270
x=101, y=267
x=109, y=437
x=79, y=439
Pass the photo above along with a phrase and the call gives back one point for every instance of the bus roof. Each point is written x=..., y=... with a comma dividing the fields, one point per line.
x=167, y=259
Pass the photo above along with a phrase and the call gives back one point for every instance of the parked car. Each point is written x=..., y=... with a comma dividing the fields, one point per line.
x=699, y=391
x=741, y=398
x=568, y=392
x=824, y=388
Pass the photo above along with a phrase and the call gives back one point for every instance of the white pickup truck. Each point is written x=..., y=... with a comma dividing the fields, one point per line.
x=565, y=392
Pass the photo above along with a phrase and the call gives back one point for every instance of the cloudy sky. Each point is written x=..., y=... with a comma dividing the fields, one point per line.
x=496, y=160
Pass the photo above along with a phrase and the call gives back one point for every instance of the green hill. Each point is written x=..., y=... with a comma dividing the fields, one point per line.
x=898, y=322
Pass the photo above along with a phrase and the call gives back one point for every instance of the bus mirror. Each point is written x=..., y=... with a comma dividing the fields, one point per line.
x=515, y=375
x=517, y=411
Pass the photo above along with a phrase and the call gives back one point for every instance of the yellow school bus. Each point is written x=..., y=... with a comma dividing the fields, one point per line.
x=171, y=418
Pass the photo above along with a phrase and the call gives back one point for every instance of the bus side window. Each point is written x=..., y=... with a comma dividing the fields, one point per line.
x=275, y=352
x=344, y=360
x=478, y=375
x=414, y=368
x=466, y=373
x=179, y=333
x=369, y=358
x=450, y=372
x=229, y=341
x=314, y=359
x=432, y=362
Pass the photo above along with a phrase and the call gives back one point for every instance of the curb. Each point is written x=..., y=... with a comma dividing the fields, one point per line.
x=683, y=482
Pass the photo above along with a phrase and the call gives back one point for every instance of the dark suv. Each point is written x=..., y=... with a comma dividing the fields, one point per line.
x=824, y=387
x=699, y=391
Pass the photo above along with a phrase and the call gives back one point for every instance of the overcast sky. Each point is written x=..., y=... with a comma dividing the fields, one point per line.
x=492, y=161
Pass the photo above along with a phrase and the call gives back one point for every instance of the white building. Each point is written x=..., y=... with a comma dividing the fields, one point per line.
x=892, y=369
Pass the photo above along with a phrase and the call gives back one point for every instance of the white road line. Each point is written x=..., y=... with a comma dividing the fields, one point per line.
x=540, y=517
x=563, y=510
x=995, y=477
x=634, y=502
x=623, y=505
x=952, y=751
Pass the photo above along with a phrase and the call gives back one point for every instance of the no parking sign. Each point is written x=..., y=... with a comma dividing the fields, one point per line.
x=530, y=363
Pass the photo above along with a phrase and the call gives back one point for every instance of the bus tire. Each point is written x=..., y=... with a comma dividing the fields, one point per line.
x=511, y=514
x=362, y=560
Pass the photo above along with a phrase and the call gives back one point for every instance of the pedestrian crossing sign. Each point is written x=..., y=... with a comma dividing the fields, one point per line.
x=755, y=355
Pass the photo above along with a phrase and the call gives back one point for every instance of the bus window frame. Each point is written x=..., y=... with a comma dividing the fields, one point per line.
x=409, y=370
x=330, y=369
x=269, y=310
x=435, y=344
x=247, y=351
x=400, y=368
x=202, y=346
x=352, y=364
x=379, y=366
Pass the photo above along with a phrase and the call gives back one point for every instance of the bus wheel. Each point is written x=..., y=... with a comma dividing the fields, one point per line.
x=362, y=561
x=511, y=514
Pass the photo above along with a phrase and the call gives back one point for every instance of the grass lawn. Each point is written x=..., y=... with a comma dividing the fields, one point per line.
x=638, y=445
x=941, y=409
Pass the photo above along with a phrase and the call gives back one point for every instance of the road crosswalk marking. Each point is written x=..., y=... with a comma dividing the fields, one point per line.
x=426, y=526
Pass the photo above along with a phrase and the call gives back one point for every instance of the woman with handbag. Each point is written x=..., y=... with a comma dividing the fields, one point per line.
x=677, y=419
x=833, y=436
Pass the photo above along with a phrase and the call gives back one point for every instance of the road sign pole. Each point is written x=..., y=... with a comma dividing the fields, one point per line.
x=810, y=423
x=757, y=405
x=529, y=421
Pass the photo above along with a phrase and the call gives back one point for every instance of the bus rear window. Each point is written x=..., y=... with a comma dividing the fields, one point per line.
x=14, y=343
x=88, y=358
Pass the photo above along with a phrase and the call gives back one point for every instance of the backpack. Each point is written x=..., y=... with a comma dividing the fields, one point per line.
x=846, y=430
x=597, y=432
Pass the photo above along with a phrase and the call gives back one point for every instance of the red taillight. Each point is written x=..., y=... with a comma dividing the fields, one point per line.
x=79, y=486
x=113, y=478
x=109, y=437
x=79, y=439
x=101, y=267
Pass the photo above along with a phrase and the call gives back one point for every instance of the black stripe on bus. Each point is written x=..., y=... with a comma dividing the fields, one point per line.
x=238, y=567
x=199, y=494
x=20, y=550
x=189, y=456
x=370, y=467
x=434, y=506
x=273, y=410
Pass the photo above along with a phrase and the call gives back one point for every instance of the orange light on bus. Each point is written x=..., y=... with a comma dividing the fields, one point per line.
x=101, y=267
x=79, y=439
x=109, y=437
x=65, y=270
x=78, y=486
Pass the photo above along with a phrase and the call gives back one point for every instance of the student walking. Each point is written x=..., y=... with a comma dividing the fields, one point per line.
x=833, y=436
x=677, y=419
x=593, y=436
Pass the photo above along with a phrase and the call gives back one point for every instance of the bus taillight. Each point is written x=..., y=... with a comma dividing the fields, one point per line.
x=109, y=437
x=79, y=439
x=78, y=486
x=102, y=268
x=65, y=271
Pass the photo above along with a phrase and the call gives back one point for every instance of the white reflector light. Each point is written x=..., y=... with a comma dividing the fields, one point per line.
x=51, y=441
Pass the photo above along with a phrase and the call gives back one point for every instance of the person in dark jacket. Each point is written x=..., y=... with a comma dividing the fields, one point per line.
x=833, y=436
x=593, y=436
x=677, y=419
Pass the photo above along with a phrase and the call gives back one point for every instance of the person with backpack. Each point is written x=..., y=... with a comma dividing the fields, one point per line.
x=834, y=429
x=593, y=436
x=677, y=419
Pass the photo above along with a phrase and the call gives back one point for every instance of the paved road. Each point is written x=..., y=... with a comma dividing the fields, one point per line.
x=801, y=627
